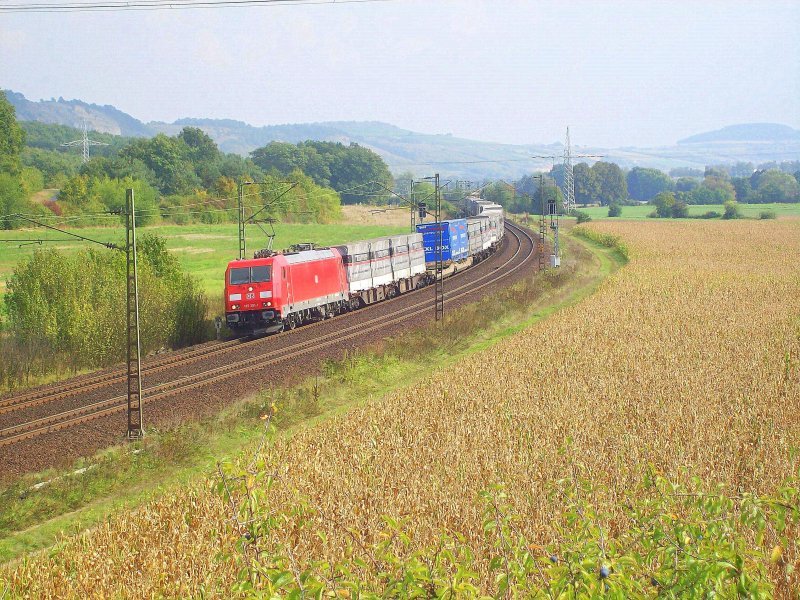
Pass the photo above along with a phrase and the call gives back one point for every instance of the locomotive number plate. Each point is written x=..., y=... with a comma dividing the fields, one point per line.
x=250, y=296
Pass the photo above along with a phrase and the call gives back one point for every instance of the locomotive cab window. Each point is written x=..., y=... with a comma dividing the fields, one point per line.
x=240, y=276
x=261, y=274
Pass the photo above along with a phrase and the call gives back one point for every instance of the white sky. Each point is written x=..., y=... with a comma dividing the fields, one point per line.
x=618, y=73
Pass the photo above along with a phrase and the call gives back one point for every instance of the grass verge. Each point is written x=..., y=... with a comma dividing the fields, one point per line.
x=121, y=478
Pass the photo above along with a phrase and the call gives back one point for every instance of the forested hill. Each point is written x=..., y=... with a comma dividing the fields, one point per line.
x=405, y=150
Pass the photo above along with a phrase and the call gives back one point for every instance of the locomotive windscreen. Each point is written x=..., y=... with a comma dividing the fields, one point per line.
x=241, y=275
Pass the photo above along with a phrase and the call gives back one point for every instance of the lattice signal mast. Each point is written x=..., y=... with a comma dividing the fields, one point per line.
x=85, y=142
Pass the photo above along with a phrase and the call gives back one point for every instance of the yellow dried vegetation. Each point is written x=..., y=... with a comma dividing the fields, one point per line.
x=687, y=359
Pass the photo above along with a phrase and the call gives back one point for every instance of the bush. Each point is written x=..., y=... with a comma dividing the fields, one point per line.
x=711, y=214
x=75, y=304
x=614, y=210
x=731, y=210
x=767, y=214
x=664, y=202
x=680, y=210
x=609, y=240
x=12, y=200
x=582, y=217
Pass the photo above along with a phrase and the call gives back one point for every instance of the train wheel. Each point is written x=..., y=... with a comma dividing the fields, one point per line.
x=290, y=323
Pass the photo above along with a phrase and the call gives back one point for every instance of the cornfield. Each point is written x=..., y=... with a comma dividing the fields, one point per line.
x=685, y=362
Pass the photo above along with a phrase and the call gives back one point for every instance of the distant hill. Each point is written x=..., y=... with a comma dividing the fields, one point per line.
x=748, y=132
x=405, y=150
x=73, y=113
x=400, y=148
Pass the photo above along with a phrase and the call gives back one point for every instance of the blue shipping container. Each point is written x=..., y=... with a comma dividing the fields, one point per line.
x=455, y=240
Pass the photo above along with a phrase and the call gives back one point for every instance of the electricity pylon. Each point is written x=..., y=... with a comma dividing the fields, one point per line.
x=85, y=142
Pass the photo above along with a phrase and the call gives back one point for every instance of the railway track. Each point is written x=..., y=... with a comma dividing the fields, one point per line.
x=88, y=383
x=59, y=420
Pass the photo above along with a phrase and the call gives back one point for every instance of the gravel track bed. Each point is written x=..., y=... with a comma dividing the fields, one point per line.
x=63, y=447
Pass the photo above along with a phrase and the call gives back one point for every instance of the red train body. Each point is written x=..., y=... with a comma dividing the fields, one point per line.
x=284, y=289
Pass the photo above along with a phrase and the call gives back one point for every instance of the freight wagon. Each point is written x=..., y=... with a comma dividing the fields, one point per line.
x=454, y=238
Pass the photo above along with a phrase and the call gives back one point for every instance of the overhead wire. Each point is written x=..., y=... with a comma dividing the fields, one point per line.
x=134, y=5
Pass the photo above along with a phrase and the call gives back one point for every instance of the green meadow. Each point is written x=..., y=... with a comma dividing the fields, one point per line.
x=203, y=250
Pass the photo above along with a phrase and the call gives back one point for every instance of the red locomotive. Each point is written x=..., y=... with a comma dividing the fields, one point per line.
x=283, y=290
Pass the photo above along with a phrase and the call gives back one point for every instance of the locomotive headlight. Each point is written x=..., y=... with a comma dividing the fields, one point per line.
x=250, y=289
x=269, y=303
x=234, y=307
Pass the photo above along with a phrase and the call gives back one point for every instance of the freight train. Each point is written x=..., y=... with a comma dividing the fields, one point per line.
x=276, y=291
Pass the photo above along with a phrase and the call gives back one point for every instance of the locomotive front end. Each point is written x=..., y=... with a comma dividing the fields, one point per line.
x=251, y=303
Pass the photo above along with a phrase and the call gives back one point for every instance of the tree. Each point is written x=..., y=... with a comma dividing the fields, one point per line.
x=741, y=169
x=56, y=167
x=614, y=210
x=500, y=193
x=776, y=186
x=12, y=137
x=201, y=146
x=715, y=189
x=686, y=184
x=281, y=158
x=586, y=188
x=347, y=169
x=610, y=182
x=743, y=189
x=12, y=200
x=557, y=173
x=664, y=202
x=644, y=184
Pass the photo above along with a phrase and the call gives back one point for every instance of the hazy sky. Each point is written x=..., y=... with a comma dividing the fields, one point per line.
x=618, y=73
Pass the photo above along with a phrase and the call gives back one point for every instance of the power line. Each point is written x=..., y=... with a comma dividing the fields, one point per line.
x=115, y=5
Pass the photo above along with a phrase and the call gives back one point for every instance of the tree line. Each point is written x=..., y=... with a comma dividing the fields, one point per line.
x=609, y=185
x=182, y=178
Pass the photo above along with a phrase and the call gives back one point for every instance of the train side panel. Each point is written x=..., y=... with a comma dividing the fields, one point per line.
x=455, y=242
x=314, y=278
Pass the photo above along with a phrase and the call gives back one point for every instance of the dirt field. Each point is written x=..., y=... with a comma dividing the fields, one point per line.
x=360, y=214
